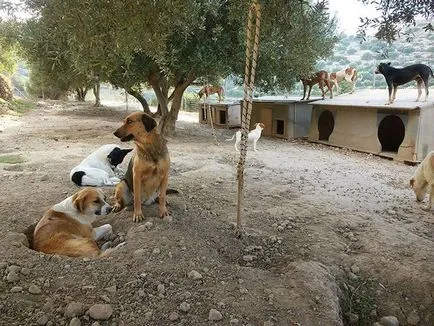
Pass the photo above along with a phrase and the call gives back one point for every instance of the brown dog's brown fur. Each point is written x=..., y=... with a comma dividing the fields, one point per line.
x=59, y=233
x=148, y=170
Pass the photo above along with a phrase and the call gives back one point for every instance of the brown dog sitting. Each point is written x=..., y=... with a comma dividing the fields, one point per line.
x=148, y=171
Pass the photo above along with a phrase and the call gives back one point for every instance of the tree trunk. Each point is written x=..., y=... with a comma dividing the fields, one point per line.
x=96, y=89
x=141, y=99
x=81, y=94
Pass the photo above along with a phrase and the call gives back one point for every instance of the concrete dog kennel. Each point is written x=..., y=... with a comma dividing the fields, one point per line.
x=283, y=117
x=224, y=115
x=403, y=131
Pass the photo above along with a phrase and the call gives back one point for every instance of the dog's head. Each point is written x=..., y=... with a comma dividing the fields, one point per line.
x=418, y=188
x=136, y=126
x=117, y=155
x=90, y=202
x=260, y=125
x=381, y=67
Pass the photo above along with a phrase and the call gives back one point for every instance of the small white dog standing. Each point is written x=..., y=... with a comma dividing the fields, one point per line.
x=422, y=180
x=98, y=169
x=254, y=136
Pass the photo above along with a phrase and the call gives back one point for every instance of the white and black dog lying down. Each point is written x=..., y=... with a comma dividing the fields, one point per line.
x=98, y=169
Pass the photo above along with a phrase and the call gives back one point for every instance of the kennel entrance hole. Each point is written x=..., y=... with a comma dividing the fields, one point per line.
x=391, y=133
x=222, y=117
x=326, y=124
x=280, y=127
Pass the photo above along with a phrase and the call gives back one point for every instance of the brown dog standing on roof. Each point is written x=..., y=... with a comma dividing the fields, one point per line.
x=148, y=171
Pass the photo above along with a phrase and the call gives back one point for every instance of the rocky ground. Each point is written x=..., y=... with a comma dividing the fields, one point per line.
x=333, y=237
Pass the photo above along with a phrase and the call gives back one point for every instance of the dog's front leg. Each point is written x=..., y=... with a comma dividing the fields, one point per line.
x=162, y=198
x=390, y=94
x=137, y=184
x=430, y=200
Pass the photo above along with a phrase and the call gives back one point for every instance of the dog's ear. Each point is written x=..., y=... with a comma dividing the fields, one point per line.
x=388, y=63
x=411, y=183
x=79, y=201
x=149, y=122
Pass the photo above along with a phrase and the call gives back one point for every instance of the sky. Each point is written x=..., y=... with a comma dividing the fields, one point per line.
x=348, y=13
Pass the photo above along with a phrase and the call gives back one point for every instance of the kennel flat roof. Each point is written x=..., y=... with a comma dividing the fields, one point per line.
x=377, y=98
x=283, y=99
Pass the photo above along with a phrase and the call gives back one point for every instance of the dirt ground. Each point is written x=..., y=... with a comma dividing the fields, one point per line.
x=333, y=237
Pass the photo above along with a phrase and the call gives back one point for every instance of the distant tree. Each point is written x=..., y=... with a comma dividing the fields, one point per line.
x=394, y=15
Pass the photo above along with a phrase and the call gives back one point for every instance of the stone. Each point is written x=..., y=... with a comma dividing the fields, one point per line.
x=413, y=318
x=111, y=289
x=34, y=289
x=173, y=316
x=184, y=306
x=75, y=322
x=74, y=309
x=12, y=277
x=389, y=321
x=16, y=289
x=195, y=275
x=100, y=311
x=214, y=315
x=43, y=320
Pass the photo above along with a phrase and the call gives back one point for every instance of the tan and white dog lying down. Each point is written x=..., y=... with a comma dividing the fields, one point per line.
x=254, y=136
x=422, y=180
x=66, y=228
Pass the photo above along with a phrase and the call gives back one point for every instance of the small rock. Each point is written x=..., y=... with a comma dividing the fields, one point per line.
x=352, y=318
x=184, y=306
x=17, y=289
x=214, y=315
x=12, y=277
x=14, y=268
x=100, y=311
x=25, y=271
x=139, y=252
x=234, y=321
x=43, y=320
x=44, y=177
x=148, y=225
x=173, y=316
x=195, y=275
x=96, y=323
x=389, y=321
x=3, y=265
x=268, y=323
x=105, y=298
x=355, y=269
x=111, y=289
x=34, y=289
x=168, y=219
x=49, y=305
x=156, y=251
x=75, y=322
x=74, y=309
x=249, y=258
x=141, y=228
x=352, y=276
x=413, y=318
x=160, y=288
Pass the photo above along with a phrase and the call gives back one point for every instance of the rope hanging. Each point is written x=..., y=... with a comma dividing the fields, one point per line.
x=248, y=85
x=210, y=117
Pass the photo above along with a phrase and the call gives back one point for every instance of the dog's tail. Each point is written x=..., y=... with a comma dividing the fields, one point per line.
x=231, y=138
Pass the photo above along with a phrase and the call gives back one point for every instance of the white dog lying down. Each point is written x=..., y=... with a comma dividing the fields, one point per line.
x=254, y=136
x=66, y=229
x=422, y=180
x=98, y=169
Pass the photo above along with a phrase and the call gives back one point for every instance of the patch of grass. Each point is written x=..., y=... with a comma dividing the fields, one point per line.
x=21, y=106
x=358, y=297
x=11, y=159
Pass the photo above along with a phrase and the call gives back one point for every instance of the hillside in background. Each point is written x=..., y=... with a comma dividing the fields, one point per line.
x=414, y=46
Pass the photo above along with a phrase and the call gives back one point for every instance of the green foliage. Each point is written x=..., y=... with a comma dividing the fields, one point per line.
x=11, y=159
x=358, y=297
x=191, y=101
x=394, y=15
